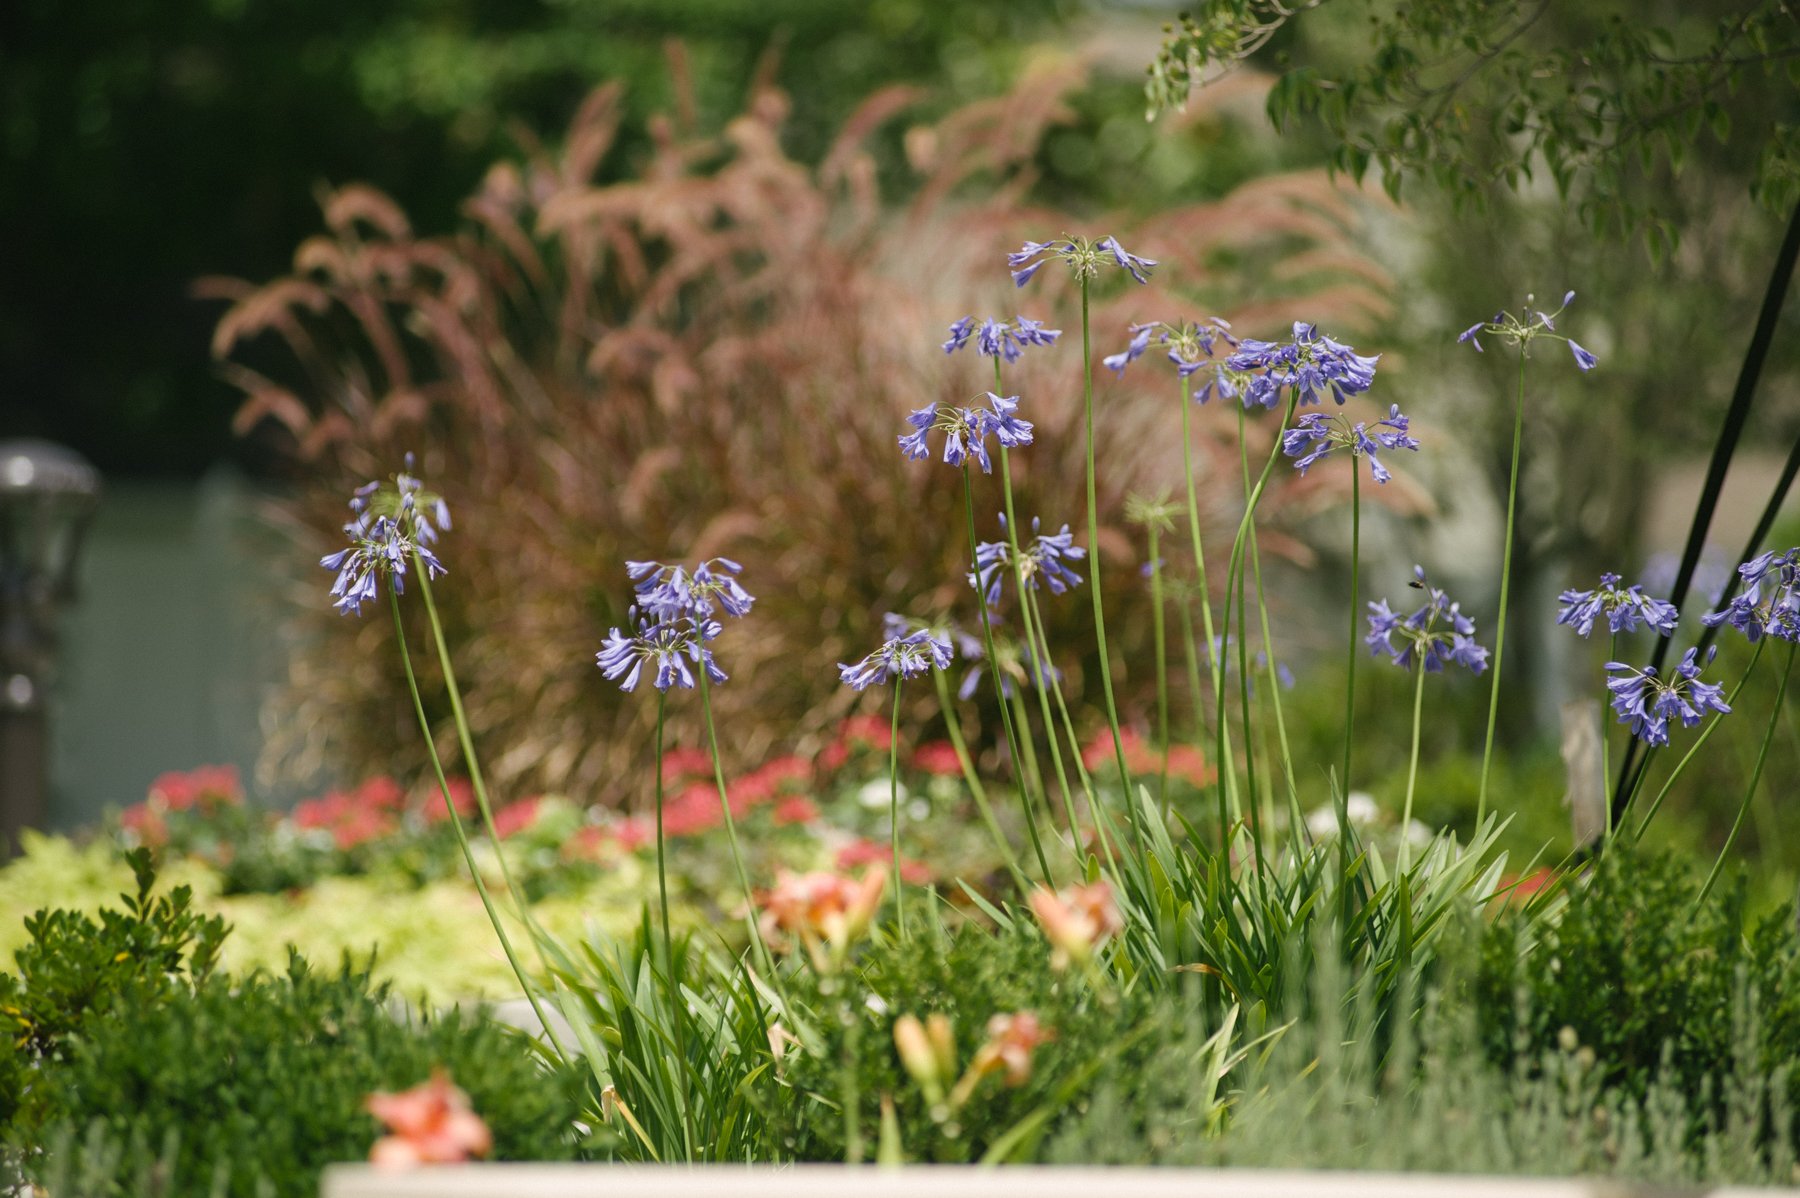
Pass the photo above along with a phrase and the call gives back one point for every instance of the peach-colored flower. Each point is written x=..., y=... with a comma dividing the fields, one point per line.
x=826, y=911
x=1077, y=920
x=516, y=817
x=874, y=852
x=430, y=1124
x=1011, y=1041
x=795, y=809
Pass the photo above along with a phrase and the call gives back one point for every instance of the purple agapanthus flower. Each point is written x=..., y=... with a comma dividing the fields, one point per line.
x=1522, y=330
x=1084, y=257
x=1189, y=345
x=899, y=657
x=968, y=648
x=669, y=592
x=1646, y=702
x=1319, y=434
x=996, y=338
x=1770, y=601
x=673, y=647
x=1436, y=633
x=1309, y=364
x=1045, y=557
x=1624, y=608
x=966, y=431
x=387, y=529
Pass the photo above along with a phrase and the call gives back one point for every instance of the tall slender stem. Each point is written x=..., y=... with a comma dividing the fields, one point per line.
x=737, y=855
x=1094, y=588
x=1506, y=557
x=1606, y=747
x=1274, y=677
x=462, y=839
x=953, y=728
x=894, y=807
x=1227, y=773
x=1355, y=618
x=662, y=872
x=1762, y=756
x=467, y=741
x=1159, y=639
x=993, y=664
x=1034, y=628
x=1412, y=768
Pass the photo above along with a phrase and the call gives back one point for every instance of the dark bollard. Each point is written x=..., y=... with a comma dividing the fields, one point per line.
x=47, y=497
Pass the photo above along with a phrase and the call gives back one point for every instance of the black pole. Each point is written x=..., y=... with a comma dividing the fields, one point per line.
x=1632, y=766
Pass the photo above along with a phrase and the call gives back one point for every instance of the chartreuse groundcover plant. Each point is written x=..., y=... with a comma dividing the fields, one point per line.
x=1147, y=980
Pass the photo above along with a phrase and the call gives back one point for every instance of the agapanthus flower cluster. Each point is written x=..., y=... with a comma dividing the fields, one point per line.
x=1523, y=330
x=672, y=623
x=899, y=657
x=671, y=646
x=1006, y=339
x=387, y=528
x=1084, y=257
x=1436, y=633
x=1625, y=608
x=1189, y=346
x=1044, y=557
x=966, y=430
x=1310, y=364
x=667, y=592
x=1646, y=701
x=1320, y=434
x=1770, y=601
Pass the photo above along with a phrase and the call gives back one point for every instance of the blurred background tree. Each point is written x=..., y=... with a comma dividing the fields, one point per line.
x=143, y=144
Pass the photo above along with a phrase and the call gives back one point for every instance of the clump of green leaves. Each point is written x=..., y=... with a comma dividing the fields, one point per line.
x=132, y=1049
x=1657, y=986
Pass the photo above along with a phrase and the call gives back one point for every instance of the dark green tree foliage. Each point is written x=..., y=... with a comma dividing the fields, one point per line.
x=146, y=144
x=1470, y=93
x=132, y=1046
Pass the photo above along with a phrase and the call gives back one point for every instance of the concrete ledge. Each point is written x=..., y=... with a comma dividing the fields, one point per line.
x=833, y=1181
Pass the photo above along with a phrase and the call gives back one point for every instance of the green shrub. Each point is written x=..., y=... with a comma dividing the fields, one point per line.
x=136, y=1052
x=1654, y=985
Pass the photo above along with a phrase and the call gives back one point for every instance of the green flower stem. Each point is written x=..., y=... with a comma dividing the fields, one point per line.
x=737, y=855
x=1412, y=767
x=1191, y=656
x=462, y=839
x=853, y=1137
x=467, y=741
x=894, y=808
x=1094, y=588
x=1506, y=556
x=1022, y=725
x=1227, y=772
x=1159, y=638
x=662, y=872
x=1355, y=617
x=1705, y=735
x=1268, y=641
x=993, y=664
x=1606, y=742
x=1232, y=576
x=1034, y=628
x=1762, y=757
x=953, y=728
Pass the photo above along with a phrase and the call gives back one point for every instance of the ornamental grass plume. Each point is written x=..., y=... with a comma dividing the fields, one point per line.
x=430, y=1124
x=721, y=296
